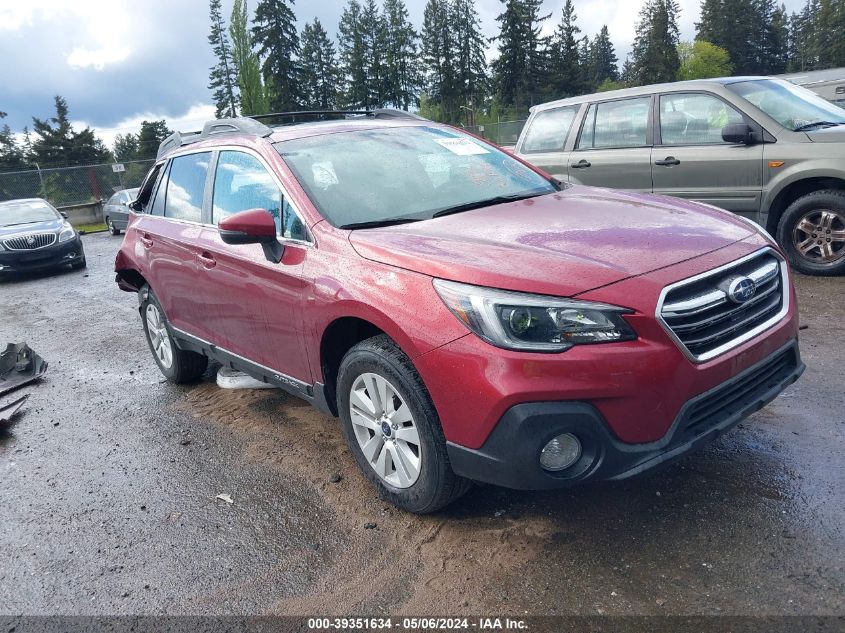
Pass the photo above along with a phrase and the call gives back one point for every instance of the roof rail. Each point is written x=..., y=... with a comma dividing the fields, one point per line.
x=238, y=125
x=380, y=113
x=252, y=124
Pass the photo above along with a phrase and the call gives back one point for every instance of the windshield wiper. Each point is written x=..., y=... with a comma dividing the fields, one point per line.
x=371, y=224
x=489, y=202
x=810, y=126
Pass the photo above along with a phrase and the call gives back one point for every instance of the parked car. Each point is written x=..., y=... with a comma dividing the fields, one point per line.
x=116, y=211
x=760, y=147
x=35, y=236
x=467, y=316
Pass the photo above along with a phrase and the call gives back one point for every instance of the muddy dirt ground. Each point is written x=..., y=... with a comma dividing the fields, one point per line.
x=108, y=482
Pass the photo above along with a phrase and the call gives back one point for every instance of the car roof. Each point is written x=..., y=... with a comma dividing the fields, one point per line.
x=249, y=130
x=675, y=86
x=19, y=201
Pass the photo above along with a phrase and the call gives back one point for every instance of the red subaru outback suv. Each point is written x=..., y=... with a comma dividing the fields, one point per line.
x=468, y=317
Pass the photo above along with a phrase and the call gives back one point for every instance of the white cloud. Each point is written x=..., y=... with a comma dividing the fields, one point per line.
x=190, y=121
x=82, y=57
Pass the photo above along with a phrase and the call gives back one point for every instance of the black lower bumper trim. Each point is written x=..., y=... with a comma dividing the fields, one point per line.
x=510, y=456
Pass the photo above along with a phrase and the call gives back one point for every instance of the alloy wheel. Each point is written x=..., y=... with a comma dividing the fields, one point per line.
x=385, y=430
x=819, y=236
x=159, y=338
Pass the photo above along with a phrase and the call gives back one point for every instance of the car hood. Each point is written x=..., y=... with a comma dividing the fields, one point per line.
x=835, y=134
x=561, y=244
x=33, y=227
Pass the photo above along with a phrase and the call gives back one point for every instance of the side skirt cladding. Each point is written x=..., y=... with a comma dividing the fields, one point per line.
x=313, y=394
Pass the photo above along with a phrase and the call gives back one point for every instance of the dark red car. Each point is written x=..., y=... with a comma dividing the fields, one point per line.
x=466, y=316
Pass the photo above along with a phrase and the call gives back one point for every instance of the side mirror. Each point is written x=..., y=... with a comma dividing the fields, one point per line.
x=255, y=226
x=134, y=205
x=739, y=134
x=63, y=214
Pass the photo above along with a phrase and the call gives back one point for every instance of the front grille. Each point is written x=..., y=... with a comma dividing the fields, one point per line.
x=733, y=397
x=30, y=242
x=708, y=315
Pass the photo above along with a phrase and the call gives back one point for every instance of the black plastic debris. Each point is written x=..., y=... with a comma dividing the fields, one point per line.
x=19, y=365
x=8, y=411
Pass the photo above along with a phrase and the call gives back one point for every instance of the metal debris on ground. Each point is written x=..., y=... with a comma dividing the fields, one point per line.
x=224, y=497
x=228, y=378
x=9, y=410
x=19, y=365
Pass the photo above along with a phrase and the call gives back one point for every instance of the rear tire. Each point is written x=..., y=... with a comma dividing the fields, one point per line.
x=393, y=432
x=178, y=366
x=812, y=233
x=112, y=228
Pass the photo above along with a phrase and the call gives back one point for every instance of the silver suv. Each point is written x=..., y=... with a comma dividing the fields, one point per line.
x=760, y=147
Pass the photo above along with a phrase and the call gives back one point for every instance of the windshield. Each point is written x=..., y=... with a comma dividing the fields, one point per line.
x=26, y=212
x=404, y=174
x=792, y=106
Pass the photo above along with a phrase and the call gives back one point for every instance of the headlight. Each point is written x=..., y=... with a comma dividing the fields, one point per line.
x=67, y=234
x=537, y=323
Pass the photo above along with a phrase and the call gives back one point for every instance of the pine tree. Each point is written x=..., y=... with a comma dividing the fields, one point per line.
x=12, y=155
x=319, y=68
x=373, y=36
x=440, y=59
x=470, y=56
x=567, y=68
x=603, y=60
x=401, y=73
x=352, y=55
x=654, y=56
x=223, y=80
x=775, y=51
x=125, y=147
x=58, y=144
x=253, y=96
x=150, y=136
x=738, y=26
x=521, y=68
x=274, y=33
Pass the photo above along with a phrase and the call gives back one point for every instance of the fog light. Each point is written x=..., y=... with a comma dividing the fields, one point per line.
x=561, y=452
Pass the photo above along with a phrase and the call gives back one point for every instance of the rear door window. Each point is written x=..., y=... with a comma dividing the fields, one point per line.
x=186, y=187
x=548, y=130
x=241, y=183
x=622, y=123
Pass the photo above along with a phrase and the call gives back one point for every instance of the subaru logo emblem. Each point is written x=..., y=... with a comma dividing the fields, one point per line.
x=741, y=289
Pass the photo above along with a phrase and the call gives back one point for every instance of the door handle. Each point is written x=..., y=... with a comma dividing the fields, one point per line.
x=669, y=161
x=581, y=164
x=146, y=240
x=207, y=260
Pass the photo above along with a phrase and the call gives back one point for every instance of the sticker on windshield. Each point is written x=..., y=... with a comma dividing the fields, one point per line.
x=461, y=146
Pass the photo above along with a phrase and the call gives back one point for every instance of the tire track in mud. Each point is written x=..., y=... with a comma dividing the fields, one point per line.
x=456, y=561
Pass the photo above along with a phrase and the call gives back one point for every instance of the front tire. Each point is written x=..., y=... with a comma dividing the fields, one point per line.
x=112, y=228
x=812, y=233
x=393, y=429
x=178, y=366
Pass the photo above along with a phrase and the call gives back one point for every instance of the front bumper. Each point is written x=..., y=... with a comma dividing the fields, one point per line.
x=70, y=252
x=510, y=455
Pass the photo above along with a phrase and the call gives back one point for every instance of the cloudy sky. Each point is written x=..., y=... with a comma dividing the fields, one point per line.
x=118, y=62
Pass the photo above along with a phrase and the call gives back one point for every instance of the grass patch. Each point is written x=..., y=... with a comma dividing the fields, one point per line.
x=91, y=228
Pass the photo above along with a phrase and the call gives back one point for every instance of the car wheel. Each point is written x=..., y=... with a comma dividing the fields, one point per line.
x=177, y=365
x=393, y=430
x=812, y=233
x=112, y=228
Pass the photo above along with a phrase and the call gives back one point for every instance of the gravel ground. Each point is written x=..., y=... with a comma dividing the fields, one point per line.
x=108, y=482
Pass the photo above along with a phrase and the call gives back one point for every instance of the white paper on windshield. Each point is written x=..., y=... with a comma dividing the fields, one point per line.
x=461, y=146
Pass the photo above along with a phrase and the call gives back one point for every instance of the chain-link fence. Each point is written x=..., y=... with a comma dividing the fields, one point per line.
x=501, y=133
x=72, y=185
